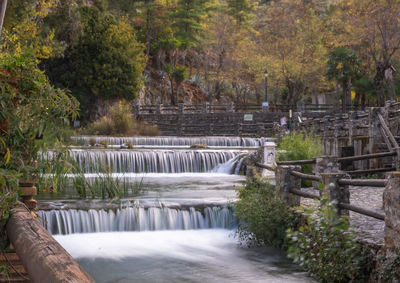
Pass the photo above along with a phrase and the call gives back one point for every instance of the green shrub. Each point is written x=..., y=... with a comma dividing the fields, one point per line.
x=326, y=249
x=298, y=146
x=264, y=216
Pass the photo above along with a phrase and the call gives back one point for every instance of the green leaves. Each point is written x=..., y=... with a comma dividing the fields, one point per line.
x=343, y=64
x=326, y=248
x=264, y=216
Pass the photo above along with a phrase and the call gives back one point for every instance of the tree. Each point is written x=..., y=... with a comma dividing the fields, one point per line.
x=375, y=23
x=107, y=62
x=292, y=37
x=240, y=10
x=175, y=74
x=344, y=66
x=187, y=21
x=23, y=29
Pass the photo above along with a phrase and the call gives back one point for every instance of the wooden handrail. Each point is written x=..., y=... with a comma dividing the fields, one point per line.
x=43, y=257
x=304, y=194
x=370, y=171
x=305, y=176
x=265, y=166
x=296, y=162
x=387, y=130
x=361, y=210
x=366, y=156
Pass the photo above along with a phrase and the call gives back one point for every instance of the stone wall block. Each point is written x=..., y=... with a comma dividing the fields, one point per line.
x=391, y=204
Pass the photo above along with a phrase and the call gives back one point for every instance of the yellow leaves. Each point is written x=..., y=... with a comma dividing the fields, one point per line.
x=7, y=157
x=43, y=8
x=293, y=43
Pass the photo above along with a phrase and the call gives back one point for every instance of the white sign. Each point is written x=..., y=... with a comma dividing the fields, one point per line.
x=248, y=117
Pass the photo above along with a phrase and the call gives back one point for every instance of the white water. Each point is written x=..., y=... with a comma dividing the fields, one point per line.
x=161, y=236
x=135, y=219
x=172, y=141
x=177, y=256
x=154, y=161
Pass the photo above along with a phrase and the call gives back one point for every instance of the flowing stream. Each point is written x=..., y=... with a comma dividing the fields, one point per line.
x=180, y=228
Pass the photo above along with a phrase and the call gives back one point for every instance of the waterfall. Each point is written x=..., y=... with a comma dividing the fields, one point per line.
x=232, y=166
x=152, y=161
x=135, y=219
x=171, y=141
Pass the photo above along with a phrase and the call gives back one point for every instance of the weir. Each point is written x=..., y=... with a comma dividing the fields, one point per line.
x=182, y=221
x=136, y=219
x=172, y=141
x=154, y=161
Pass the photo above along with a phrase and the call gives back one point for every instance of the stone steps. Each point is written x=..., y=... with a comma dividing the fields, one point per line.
x=15, y=269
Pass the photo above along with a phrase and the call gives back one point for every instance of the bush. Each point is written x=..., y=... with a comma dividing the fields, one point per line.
x=326, y=249
x=264, y=216
x=298, y=146
x=119, y=121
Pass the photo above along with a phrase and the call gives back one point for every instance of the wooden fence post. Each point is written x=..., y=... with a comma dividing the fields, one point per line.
x=391, y=206
x=285, y=181
x=336, y=192
x=324, y=164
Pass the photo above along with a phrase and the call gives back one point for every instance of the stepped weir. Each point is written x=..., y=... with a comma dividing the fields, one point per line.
x=182, y=220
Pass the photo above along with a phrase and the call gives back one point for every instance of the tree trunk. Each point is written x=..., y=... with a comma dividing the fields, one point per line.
x=291, y=85
x=2, y=14
x=206, y=68
x=363, y=100
x=379, y=84
x=346, y=97
x=357, y=99
x=172, y=90
x=390, y=83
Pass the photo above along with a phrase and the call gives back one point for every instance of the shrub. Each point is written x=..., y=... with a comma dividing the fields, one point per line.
x=326, y=249
x=264, y=216
x=102, y=126
x=121, y=117
x=119, y=121
x=298, y=146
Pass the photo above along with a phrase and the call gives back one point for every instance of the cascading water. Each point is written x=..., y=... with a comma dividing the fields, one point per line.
x=136, y=219
x=179, y=229
x=172, y=141
x=152, y=161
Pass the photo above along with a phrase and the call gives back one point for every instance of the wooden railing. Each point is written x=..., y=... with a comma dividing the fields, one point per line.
x=230, y=107
x=336, y=183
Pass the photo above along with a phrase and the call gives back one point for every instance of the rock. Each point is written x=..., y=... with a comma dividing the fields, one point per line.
x=199, y=146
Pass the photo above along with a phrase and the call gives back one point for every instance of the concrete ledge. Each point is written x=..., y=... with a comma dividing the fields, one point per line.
x=43, y=257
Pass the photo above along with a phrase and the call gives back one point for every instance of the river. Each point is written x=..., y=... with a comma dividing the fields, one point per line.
x=181, y=228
